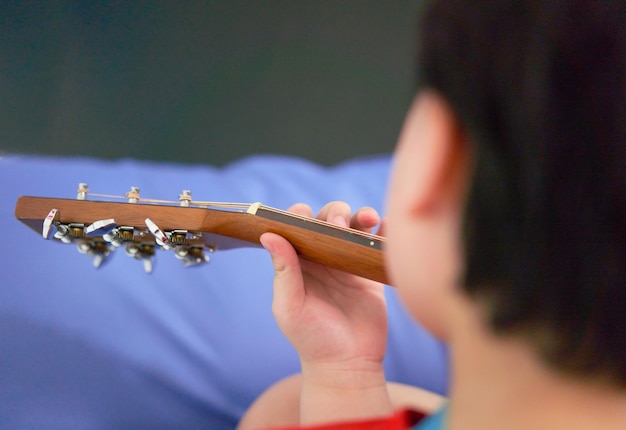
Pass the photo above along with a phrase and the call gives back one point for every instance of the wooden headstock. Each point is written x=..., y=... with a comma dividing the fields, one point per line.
x=192, y=228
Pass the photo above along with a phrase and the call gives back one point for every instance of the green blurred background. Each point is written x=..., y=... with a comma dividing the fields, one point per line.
x=205, y=81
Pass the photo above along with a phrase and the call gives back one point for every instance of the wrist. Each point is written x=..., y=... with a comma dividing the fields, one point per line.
x=342, y=391
x=350, y=374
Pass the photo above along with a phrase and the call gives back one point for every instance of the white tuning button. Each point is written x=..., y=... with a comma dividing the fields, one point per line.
x=53, y=216
x=100, y=227
x=97, y=250
x=147, y=265
x=143, y=252
x=191, y=255
x=158, y=234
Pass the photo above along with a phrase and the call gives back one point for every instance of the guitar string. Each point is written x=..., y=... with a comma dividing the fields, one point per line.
x=230, y=205
x=244, y=207
x=364, y=234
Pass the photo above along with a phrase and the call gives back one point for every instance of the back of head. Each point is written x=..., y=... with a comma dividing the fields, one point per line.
x=540, y=89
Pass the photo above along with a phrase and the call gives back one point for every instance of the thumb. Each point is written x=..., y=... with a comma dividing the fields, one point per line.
x=288, y=280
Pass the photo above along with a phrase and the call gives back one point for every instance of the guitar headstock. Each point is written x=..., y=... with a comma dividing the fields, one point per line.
x=139, y=226
x=191, y=229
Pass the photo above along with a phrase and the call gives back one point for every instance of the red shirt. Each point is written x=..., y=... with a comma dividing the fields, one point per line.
x=401, y=420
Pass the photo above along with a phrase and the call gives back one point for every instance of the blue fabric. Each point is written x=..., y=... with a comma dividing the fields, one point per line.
x=179, y=348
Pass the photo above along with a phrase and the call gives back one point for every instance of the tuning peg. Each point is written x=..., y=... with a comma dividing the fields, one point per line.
x=185, y=198
x=97, y=249
x=177, y=237
x=100, y=227
x=51, y=219
x=133, y=195
x=143, y=252
x=70, y=232
x=119, y=235
x=147, y=265
x=83, y=189
x=158, y=234
x=62, y=233
x=191, y=255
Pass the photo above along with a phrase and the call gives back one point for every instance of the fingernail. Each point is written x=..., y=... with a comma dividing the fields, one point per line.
x=266, y=244
x=340, y=221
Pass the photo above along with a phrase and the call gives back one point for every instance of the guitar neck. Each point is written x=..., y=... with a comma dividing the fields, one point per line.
x=225, y=227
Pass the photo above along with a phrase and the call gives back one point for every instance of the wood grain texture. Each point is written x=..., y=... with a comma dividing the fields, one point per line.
x=340, y=248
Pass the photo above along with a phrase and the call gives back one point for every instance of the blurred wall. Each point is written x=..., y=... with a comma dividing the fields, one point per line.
x=205, y=81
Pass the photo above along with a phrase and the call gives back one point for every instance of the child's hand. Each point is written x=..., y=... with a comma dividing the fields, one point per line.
x=335, y=320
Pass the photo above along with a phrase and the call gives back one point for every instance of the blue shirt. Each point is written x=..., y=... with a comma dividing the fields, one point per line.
x=433, y=422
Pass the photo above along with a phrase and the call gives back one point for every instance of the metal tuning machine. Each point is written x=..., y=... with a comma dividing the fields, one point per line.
x=191, y=254
x=100, y=238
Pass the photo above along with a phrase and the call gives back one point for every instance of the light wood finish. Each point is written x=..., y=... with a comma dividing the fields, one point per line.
x=342, y=248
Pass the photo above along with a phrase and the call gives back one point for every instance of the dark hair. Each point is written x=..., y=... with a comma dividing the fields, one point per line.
x=540, y=89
